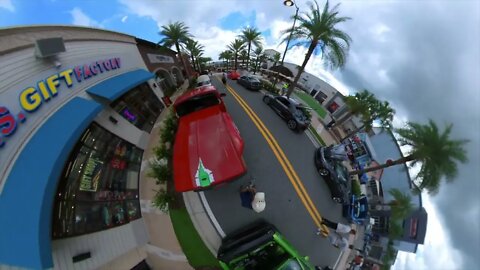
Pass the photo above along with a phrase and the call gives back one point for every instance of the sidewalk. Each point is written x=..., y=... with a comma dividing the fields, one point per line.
x=163, y=250
x=319, y=127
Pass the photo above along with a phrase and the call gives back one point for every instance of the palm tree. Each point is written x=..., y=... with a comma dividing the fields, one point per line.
x=226, y=55
x=276, y=58
x=198, y=54
x=195, y=49
x=222, y=56
x=370, y=109
x=436, y=153
x=259, y=57
x=202, y=61
x=236, y=47
x=251, y=35
x=175, y=34
x=395, y=229
x=318, y=29
x=243, y=56
x=401, y=205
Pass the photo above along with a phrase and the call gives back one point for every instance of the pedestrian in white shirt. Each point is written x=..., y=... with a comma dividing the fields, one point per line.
x=338, y=227
x=339, y=241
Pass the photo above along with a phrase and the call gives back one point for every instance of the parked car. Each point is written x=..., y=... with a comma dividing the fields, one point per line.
x=250, y=82
x=208, y=147
x=333, y=173
x=203, y=80
x=260, y=246
x=233, y=75
x=290, y=110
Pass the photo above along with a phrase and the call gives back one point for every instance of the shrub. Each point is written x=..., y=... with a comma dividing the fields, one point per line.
x=162, y=199
x=356, y=188
x=161, y=152
x=270, y=87
x=161, y=172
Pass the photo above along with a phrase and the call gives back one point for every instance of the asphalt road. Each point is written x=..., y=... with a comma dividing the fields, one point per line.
x=284, y=208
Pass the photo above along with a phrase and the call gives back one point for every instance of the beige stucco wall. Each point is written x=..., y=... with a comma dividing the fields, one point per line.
x=21, y=37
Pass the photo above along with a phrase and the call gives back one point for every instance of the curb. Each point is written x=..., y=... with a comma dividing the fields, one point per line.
x=202, y=221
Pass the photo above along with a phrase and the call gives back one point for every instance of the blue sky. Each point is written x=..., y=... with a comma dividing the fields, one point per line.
x=104, y=14
x=398, y=53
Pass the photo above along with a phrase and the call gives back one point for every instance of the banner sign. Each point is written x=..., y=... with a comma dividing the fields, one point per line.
x=158, y=58
x=31, y=98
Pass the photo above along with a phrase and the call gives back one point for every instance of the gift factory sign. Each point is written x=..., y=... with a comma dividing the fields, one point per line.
x=34, y=96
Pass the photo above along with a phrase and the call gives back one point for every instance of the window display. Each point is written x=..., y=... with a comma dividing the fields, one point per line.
x=99, y=186
x=140, y=106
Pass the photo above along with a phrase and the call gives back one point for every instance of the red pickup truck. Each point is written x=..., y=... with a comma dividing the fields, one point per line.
x=208, y=147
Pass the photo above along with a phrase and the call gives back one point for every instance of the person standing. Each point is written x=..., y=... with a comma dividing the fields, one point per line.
x=338, y=227
x=339, y=241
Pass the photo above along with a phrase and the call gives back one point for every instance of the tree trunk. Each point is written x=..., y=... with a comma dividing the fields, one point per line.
x=236, y=58
x=302, y=68
x=382, y=166
x=199, y=66
x=248, y=53
x=193, y=59
x=352, y=133
x=177, y=46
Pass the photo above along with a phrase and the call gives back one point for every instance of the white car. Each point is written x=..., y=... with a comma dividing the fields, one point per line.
x=203, y=80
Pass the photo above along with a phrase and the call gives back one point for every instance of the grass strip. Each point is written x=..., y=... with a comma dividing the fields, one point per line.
x=312, y=103
x=317, y=136
x=198, y=255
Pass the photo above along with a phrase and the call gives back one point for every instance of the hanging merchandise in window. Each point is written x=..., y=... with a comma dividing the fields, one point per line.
x=140, y=106
x=99, y=186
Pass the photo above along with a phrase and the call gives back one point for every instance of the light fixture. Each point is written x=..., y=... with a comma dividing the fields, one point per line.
x=288, y=3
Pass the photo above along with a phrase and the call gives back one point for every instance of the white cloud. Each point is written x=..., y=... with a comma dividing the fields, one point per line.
x=7, y=4
x=124, y=18
x=436, y=252
x=80, y=18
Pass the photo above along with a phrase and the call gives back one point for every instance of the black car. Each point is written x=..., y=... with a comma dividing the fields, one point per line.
x=334, y=173
x=250, y=82
x=290, y=110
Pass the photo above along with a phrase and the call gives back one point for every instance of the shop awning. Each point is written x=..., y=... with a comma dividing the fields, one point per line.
x=113, y=88
x=27, y=198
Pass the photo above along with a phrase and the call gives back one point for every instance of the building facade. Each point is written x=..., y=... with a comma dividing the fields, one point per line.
x=76, y=109
x=163, y=62
x=378, y=186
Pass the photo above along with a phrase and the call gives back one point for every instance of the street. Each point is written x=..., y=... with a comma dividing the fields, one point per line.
x=285, y=208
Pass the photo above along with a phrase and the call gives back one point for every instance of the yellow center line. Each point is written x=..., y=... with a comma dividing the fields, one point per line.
x=284, y=162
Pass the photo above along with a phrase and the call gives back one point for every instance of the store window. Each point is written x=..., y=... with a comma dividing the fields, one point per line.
x=413, y=228
x=98, y=188
x=140, y=106
x=332, y=107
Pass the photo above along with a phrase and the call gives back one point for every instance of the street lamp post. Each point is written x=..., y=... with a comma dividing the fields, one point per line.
x=290, y=3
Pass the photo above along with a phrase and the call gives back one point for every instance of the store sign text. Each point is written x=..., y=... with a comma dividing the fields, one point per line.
x=31, y=98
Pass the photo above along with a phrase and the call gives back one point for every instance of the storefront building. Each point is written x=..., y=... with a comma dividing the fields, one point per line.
x=163, y=62
x=76, y=109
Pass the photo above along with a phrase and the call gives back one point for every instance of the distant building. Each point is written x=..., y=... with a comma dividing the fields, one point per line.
x=163, y=62
x=378, y=186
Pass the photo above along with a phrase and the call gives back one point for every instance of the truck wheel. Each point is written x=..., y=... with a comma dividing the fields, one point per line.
x=266, y=99
x=292, y=124
x=323, y=172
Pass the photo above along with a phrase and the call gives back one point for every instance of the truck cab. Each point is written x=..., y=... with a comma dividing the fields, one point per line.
x=260, y=246
x=208, y=147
